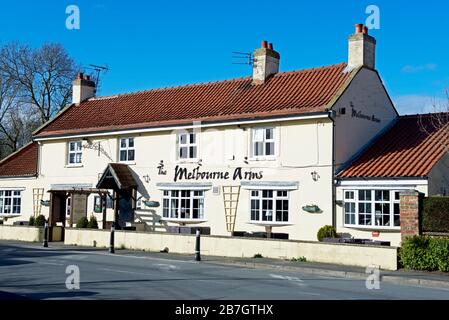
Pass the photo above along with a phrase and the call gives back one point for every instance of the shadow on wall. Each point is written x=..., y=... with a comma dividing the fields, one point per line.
x=151, y=219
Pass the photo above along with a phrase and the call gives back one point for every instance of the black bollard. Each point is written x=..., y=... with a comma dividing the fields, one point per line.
x=46, y=235
x=197, y=246
x=111, y=243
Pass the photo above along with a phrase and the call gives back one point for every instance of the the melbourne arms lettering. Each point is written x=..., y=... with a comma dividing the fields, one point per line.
x=196, y=174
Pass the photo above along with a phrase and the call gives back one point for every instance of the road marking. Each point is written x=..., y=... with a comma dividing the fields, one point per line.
x=50, y=263
x=164, y=266
x=288, y=278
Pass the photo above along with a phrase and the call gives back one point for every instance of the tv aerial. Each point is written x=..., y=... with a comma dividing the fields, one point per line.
x=98, y=70
x=245, y=58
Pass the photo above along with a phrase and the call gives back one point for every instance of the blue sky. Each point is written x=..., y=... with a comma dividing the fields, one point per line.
x=150, y=44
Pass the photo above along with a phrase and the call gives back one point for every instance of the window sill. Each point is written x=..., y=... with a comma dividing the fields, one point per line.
x=372, y=228
x=270, y=223
x=263, y=159
x=129, y=163
x=183, y=221
x=10, y=215
x=74, y=166
x=187, y=161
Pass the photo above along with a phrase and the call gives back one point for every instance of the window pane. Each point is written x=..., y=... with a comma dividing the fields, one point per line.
x=78, y=157
x=269, y=134
x=267, y=210
x=349, y=195
x=72, y=146
x=192, y=138
x=183, y=139
x=72, y=158
x=255, y=207
x=123, y=155
x=79, y=146
x=130, y=155
x=183, y=152
x=123, y=143
x=131, y=143
x=258, y=149
x=269, y=149
x=192, y=152
x=258, y=135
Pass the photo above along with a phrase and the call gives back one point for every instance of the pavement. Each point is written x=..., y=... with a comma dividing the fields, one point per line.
x=28, y=271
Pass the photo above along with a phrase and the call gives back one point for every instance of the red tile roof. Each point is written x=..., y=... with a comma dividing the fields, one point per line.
x=288, y=93
x=23, y=163
x=411, y=148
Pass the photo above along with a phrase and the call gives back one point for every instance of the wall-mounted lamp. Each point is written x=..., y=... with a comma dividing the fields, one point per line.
x=200, y=162
x=245, y=160
x=315, y=175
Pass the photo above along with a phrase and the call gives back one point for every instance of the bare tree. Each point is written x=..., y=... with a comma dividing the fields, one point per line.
x=42, y=75
x=437, y=120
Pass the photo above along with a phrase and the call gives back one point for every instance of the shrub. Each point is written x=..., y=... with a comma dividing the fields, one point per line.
x=300, y=259
x=435, y=216
x=82, y=223
x=1, y=222
x=425, y=253
x=31, y=221
x=327, y=232
x=39, y=221
x=92, y=224
x=258, y=255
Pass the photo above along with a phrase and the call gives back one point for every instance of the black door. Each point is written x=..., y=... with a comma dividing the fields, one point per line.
x=125, y=210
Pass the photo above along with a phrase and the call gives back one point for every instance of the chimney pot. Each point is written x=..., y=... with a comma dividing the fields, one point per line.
x=80, y=75
x=359, y=28
x=87, y=78
x=270, y=46
x=365, y=30
x=264, y=44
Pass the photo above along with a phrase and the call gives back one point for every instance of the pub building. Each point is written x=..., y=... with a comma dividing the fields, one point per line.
x=275, y=154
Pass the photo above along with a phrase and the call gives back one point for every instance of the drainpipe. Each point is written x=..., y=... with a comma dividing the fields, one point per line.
x=334, y=197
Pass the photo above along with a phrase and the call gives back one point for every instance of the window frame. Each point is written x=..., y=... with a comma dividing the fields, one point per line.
x=274, y=140
x=168, y=195
x=187, y=145
x=372, y=202
x=13, y=196
x=127, y=149
x=275, y=197
x=75, y=152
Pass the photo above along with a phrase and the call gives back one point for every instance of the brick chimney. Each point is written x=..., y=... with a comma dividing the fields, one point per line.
x=362, y=48
x=266, y=62
x=83, y=88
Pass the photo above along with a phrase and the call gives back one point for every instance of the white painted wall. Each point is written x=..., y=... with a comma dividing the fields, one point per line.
x=352, y=134
x=303, y=146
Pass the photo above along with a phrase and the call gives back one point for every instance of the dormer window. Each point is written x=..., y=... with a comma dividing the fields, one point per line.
x=263, y=142
x=187, y=146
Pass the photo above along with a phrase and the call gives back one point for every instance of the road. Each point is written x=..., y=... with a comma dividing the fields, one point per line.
x=28, y=271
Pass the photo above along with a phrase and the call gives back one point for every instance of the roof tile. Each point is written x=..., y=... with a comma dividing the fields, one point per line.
x=294, y=92
x=411, y=148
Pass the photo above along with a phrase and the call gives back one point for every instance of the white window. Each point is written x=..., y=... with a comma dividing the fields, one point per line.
x=127, y=150
x=187, y=146
x=372, y=208
x=183, y=204
x=75, y=152
x=10, y=202
x=269, y=206
x=263, y=142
